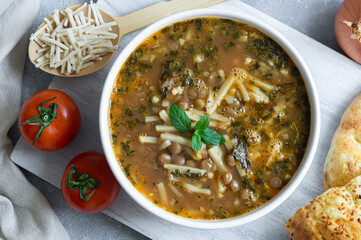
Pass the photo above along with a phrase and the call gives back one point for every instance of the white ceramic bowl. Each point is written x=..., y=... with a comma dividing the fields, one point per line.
x=210, y=224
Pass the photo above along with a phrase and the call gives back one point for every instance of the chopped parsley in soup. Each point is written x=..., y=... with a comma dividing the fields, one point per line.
x=252, y=141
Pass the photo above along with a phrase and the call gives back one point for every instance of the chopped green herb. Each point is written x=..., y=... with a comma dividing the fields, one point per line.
x=216, y=88
x=260, y=177
x=191, y=49
x=209, y=52
x=126, y=148
x=143, y=109
x=174, y=53
x=235, y=36
x=222, y=212
x=247, y=183
x=122, y=90
x=228, y=45
x=126, y=170
x=293, y=126
x=144, y=67
x=265, y=48
x=199, y=24
x=268, y=76
x=254, y=65
x=128, y=111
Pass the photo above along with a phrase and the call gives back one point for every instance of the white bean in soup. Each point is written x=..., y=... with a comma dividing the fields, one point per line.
x=254, y=95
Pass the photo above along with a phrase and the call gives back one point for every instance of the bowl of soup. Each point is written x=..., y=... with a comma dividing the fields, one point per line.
x=262, y=112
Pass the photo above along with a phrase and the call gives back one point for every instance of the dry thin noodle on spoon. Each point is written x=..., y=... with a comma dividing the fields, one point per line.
x=73, y=41
x=92, y=33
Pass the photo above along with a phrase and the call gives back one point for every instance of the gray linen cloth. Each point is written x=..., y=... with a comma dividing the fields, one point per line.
x=24, y=212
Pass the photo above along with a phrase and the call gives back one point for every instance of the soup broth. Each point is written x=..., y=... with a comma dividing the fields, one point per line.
x=254, y=95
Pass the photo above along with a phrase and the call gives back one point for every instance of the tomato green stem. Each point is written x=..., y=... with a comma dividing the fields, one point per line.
x=81, y=182
x=44, y=119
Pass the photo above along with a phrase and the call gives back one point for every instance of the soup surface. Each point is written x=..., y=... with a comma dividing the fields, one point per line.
x=254, y=95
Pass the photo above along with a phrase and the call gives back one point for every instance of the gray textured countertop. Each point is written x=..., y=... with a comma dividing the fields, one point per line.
x=314, y=18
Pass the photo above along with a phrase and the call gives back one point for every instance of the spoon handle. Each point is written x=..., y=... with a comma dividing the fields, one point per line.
x=151, y=14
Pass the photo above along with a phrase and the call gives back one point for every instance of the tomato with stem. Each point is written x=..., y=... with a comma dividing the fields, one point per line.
x=49, y=120
x=88, y=185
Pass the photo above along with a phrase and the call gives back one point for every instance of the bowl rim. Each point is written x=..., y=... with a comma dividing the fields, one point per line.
x=285, y=192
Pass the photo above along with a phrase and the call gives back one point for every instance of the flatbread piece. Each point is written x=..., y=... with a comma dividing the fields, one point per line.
x=335, y=214
x=343, y=161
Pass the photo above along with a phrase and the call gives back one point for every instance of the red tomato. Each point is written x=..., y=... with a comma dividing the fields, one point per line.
x=95, y=165
x=63, y=128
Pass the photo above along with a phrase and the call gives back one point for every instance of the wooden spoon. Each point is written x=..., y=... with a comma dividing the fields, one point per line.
x=126, y=24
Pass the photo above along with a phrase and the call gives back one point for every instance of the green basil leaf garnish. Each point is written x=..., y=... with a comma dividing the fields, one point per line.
x=179, y=118
x=211, y=137
x=199, y=132
x=196, y=142
x=203, y=123
x=181, y=122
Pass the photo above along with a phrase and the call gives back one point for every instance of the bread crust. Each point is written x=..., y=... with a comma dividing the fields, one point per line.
x=335, y=214
x=343, y=161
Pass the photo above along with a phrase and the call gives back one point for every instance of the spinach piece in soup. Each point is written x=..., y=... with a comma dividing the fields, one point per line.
x=265, y=48
x=170, y=76
x=188, y=174
x=209, y=51
x=240, y=154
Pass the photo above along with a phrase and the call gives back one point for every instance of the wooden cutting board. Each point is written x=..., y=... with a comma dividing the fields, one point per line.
x=338, y=80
